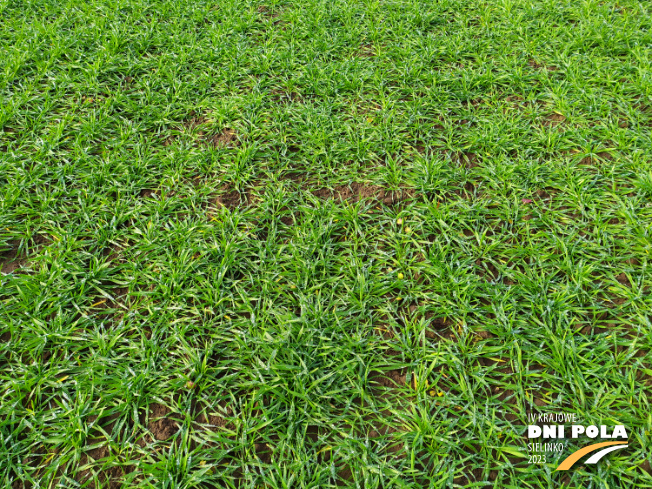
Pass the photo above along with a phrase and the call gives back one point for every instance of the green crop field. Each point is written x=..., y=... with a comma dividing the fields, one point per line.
x=310, y=244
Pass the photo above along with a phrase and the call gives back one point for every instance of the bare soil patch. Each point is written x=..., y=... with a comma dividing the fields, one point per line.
x=197, y=125
x=536, y=65
x=213, y=417
x=10, y=260
x=554, y=120
x=161, y=423
x=367, y=51
x=358, y=191
x=596, y=158
x=147, y=193
x=232, y=199
x=439, y=328
x=390, y=379
x=224, y=139
x=468, y=159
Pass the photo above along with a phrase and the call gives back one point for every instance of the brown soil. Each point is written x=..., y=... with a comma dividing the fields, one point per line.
x=487, y=270
x=214, y=418
x=296, y=176
x=344, y=474
x=553, y=120
x=514, y=99
x=97, y=453
x=109, y=477
x=147, y=193
x=10, y=261
x=485, y=335
x=194, y=124
x=380, y=426
x=536, y=65
x=288, y=220
x=358, y=191
x=497, y=371
x=385, y=386
x=475, y=103
x=546, y=193
x=389, y=379
x=227, y=138
x=34, y=459
x=230, y=198
x=468, y=190
x=439, y=328
x=469, y=478
x=263, y=452
x=103, y=305
x=11, y=265
x=194, y=121
x=160, y=422
x=591, y=329
x=127, y=82
x=593, y=159
x=622, y=278
x=267, y=12
x=367, y=51
x=469, y=160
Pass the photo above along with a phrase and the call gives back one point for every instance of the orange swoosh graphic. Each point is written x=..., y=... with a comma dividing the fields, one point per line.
x=575, y=456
